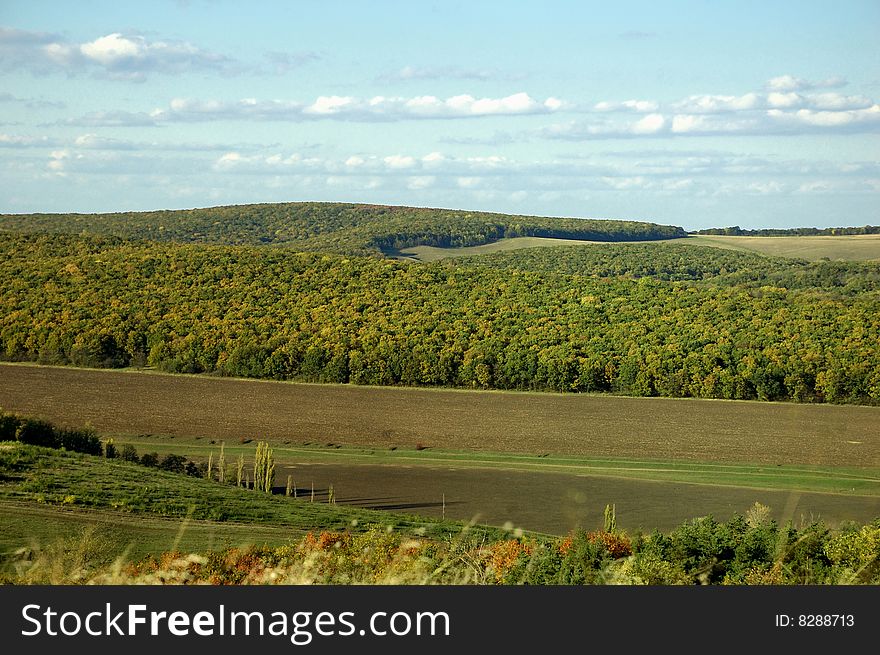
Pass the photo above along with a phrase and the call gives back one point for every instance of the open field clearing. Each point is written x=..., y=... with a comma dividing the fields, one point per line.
x=556, y=502
x=433, y=253
x=857, y=247
x=134, y=403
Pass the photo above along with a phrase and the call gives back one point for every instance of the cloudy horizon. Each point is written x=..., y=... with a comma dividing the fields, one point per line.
x=693, y=114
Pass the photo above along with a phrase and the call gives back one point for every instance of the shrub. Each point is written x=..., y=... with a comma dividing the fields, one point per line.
x=37, y=433
x=150, y=459
x=173, y=463
x=80, y=441
x=648, y=569
x=804, y=557
x=110, y=449
x=8, y=426
x=129, y=453
x=858, y=551
x=617, y=545
x=583, y=559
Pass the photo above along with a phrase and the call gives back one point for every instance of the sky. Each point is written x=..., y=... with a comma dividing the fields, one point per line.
x=692, y=113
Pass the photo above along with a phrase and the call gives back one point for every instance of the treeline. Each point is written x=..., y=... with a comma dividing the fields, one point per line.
x=681, y=262
x=274, y=313
x=736, y=231
x=37, y=432
x=332, y=227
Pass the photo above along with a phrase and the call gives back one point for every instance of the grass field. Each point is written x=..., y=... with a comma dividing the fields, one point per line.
x=46, y=494
x=855, y=247
x=432, y=253
x=858, y=247
x=544, y=462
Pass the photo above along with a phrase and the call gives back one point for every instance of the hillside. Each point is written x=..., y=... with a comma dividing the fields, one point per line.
x=559, y=325
x=333, y=227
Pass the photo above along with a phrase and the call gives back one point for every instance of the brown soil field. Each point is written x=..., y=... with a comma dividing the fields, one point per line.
x=133, y=403
x=556, y=503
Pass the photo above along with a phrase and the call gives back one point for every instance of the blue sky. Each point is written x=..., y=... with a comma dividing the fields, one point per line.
x=699, y=114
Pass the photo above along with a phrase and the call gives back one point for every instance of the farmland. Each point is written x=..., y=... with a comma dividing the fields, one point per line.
x=659, y=460
x=854, y=247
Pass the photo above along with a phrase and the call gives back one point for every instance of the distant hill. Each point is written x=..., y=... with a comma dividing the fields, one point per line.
x=335, y=227
x=737, y=231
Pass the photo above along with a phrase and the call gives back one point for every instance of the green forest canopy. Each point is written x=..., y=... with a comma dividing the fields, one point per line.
x=332, y=227
x=637, y=319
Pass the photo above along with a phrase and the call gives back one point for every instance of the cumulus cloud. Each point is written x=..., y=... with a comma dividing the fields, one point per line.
x=640, y=106
x=791, y=83
x=346, y=108
x=116, y=55
x=112, y=119
x=787, y=106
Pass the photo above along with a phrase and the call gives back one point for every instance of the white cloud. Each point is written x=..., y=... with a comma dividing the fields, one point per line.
x=650, y=124
x=785, y=83
x=639, y=106
x=377, y=108
x=325, y=105
x=399, y=161
x=807, y=118
x=115, y=55
x=713, y=104
x=57, y=159
x=421, y=182
x=779, y=111
x=24, y=141
x=469, y=182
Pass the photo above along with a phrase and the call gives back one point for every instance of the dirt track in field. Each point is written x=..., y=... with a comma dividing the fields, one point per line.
x=121, y=402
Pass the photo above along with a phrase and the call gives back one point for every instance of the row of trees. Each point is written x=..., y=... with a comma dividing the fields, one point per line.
x=39, y=432
x=737, y=231
x=273, y=313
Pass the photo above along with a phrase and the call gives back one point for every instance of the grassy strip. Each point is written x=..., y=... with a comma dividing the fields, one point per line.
x=110, y=534
x=851, y=481
x=41, y=475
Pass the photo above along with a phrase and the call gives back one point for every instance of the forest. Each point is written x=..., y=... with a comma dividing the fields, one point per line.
x=634, y=319
x=737, y=231
x=333, y=227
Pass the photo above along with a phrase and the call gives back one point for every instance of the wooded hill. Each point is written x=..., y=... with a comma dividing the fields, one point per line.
x=333, y=227
x=696, y=322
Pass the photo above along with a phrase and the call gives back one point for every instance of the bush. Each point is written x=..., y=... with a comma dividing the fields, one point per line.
x=129, y=453
x=805, y=558
x=110, y=449
x=150, y=459
x=173, y=463
x=8, y=425
x=37, y=433
x=857, y=550
x=80, y=441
